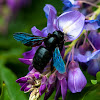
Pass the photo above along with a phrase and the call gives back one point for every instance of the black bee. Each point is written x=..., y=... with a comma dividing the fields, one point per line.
x=53, y=45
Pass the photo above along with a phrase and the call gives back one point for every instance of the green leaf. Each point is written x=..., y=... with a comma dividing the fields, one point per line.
x=98, y=76
x=42, y=97
x=4, y=93
x=52, y=96
x=93, y=93
x=78, y=95
x=94, y=82
x=13, y=88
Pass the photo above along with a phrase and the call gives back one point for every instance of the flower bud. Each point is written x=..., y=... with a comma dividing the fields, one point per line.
x=76, y=79
x=52, y=79
x=83, y=48
x=43, y=85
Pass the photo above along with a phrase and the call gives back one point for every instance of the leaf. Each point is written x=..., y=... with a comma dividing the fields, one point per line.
x=98, y=76
x=4, y=93
x=78, y=95
x=42, y=97
x=13, y=88
x=93, y=93
x=94, y=82
x=52, y=96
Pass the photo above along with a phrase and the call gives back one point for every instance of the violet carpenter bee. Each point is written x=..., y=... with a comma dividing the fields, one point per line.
x=53, y=45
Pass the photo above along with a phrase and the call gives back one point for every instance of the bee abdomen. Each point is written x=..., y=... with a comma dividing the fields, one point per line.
x=41, y=58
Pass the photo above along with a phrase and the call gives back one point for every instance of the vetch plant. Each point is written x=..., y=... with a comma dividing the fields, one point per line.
x=57, y=51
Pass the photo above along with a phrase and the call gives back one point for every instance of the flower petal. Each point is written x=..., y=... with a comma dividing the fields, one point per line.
x=30, y=54
x=76, y=80
x=24, y=86
x=47, y=9
x=36, y=31
x=44, y=32
x=91, y=25
x=30, y=67
x=42, y=89
x=26, y=61
x=71, y=23
x=93, y=66
x=51, y=27
x=63, y=88
x=22, y=80
x=94, y=55
x=52, y=78
x=58, y=87
x=50, y=91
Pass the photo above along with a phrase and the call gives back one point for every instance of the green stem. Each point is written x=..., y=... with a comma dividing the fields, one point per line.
x=72, y=44
x=97, y=12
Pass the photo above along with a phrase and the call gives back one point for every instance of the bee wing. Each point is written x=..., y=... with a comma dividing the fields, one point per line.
x=58, y=62
x=28, y=39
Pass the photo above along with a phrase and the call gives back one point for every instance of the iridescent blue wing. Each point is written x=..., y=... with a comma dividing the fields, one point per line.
x=28, y=39
x=58, y=62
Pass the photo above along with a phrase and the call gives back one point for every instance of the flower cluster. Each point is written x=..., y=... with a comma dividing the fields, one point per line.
x=71, y=23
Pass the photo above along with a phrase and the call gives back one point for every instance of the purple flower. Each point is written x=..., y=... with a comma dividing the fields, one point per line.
x=94, y=63
x=63, y=88
x=76, y=79
x=43, y=85
x=61, y=85
x=83, y=48
x=51, y=12
x=42, y=89
x=52, y=79
x=71, y=23
x=87, y=57
x=48, y=8
x=91, y=25
x=94, y=37
x=93, y=66
x=90, y=59
x=67, y=23
x=29, y=80
x=50, y=86
x=69, y=4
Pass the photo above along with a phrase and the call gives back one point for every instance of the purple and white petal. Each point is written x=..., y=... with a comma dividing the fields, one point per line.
x=71, y=23
x=94, y=55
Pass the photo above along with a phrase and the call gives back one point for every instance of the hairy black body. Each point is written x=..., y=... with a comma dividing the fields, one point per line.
x=44, y=54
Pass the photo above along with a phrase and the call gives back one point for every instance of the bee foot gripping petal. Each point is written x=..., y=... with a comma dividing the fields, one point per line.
x=58, y=62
